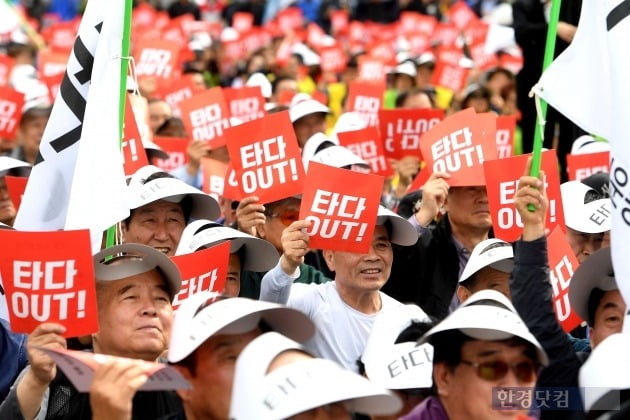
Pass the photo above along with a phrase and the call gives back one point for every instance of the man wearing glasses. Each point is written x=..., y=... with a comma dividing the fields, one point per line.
x=479, y=350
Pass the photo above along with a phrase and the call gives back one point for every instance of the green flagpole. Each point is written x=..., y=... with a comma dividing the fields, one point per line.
x=550, y=47
x=124, y=65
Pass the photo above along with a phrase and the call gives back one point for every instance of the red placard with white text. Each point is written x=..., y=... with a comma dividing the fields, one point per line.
x=333, y=59
x=584, y=165
x=49, y=277
x=206, y=116
x=461, y=15
x=342, y=214
x=176, y=149
x=266, y=157
x=16, y=186
x=459, y=145
x=245, y=103
x=450, y=76
x=339, y=21
x=177, y=91
x=202, y=271
x=214, y=172
x=506, y=125
x=134, y=155
x=371, y=69
x=51, y=63
x=366, y=99
x=562, y=265
x=502, y=177
x=231, y=189
x=11, y=103
x=402, y=129
x=242, y=21
x=367, y=144
x=157, y=57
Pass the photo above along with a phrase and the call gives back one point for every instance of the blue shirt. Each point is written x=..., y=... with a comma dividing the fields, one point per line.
x=13, y=357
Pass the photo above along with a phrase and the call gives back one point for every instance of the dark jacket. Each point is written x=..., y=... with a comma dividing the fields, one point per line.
x=426, y=273
x=532, y=297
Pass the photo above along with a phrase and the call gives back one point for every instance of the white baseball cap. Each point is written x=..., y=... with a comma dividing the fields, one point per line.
x=302, y=105
x=403, y=232
x=487, y=315
x=173, y=190
x=398, y=366
x=260, y=80
x=581, y=214
x=258, y=255
x=7, y=163
x=195, y=321
x=607, y=369
x=588, y=144
x=314, y=382
x=121, y=261
x=494, y=252
x=348, y=121
x=406, y=67
x=596, y=272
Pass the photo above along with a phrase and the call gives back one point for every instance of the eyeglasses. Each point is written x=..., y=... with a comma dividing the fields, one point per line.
x=525, y=371
x=286, y=217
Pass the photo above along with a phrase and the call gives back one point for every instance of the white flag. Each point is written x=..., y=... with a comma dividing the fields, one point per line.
x=590, y=84
x=78, y=181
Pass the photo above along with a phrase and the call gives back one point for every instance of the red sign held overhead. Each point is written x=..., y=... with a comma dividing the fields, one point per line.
x=461, y=15
x=562, y=265
x=402, y=129
x=214, y=172
x=11, y=103
x=584, y=165
x=506, y=125
x=371, y=69
x=134, y=155
x=179, y=90
x=206, y=116
x=367, y=144
x=266, y=158
x=156, y=57
x=342, y=214
x=459, y=145
x=242, y=21
x=366, y=99
x=176, y=149
x=16, y=186
x=450, y=76
x=49, y=277
x=245, y=103
x=202, y=271
x=339, y=21
x=502, y=177
x=333, y=59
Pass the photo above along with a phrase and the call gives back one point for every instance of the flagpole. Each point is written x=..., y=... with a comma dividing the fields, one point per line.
x=124, y=65
x=550, y=47
x=27, y=28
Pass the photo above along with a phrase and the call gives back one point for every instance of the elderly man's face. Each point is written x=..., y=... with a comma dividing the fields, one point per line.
x=159, y=112
x=608, y=317
x=468, y=207
x=363, y=272
x=466, y=395
x=486, y=278
x=584, y=244
x=213, y=375
x=134, y=316
x=7, y=211
x=278, y=219
x=159, y=225
x=308, y=125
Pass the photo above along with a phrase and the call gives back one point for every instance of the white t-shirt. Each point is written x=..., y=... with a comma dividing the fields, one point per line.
x=342, y=331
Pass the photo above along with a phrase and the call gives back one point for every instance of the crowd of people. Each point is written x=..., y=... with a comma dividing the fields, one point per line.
x=439, y=319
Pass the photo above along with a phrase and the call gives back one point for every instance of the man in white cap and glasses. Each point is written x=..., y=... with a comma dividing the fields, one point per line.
x=308, y=117
x=488, y=267
x=276, y=378
x=161, y=207
x=135, y=285
x=480, y=348
x=345, y=309
x=209, y=333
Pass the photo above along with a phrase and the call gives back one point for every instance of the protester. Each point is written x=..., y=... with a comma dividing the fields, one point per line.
x=134, y=287
x=247, y=253
x=159, y=112
x=308, y=117
x=320, y=389
x=30, y=132
x=208, y=335
x=352, y=300
x=474, y=358
x=7, y=167
x=488, y=267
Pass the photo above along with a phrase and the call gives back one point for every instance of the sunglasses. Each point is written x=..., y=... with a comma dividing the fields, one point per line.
x=525, y=371
x=286, y=217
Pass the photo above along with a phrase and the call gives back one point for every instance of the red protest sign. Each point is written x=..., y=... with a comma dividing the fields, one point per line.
x=242, y=21
x=419, y=42
x=53, y=83
x=156, y=57
x=206, y=116
x=245, y=103
x=6, y=65
x=562, y=265
x=459, y=145
x=179, y=90
x=366, y=99
x=587, y=164
x=134, y=155
x=289, y=19
x=371, y=69
x=266, y=158
x=61, y=36
x=51, y=63
x=445, y=34
x=286, y=96
x=16, y=186
x=461, y=15
x=176, y=149
x=339, y=21
x=231, y=188
x=202, y=271
x=401, y=129
x=502, y=177
x=450, y=76
x=367, y=144
x=214, y=172
x=11, y=103
x=342, y=214
x=506, y=125
x=333, y=59
x=49, y=277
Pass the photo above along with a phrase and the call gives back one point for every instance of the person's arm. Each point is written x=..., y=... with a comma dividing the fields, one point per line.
x=434, y=194
x=276, y=284
x=113, y=387
x=249, y=214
